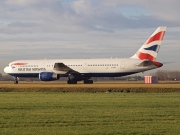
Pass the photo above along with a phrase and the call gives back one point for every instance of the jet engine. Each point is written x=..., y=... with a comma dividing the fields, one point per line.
x=48, y=76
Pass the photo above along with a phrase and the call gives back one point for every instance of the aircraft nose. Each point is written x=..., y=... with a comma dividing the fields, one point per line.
x=6, y=69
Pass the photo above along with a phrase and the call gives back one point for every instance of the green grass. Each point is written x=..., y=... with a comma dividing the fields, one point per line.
x=89, y=113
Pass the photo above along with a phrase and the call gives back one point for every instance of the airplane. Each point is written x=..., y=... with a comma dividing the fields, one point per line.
x=83, y=69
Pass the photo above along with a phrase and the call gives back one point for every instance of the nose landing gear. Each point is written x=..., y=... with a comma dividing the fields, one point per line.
x=16, y=80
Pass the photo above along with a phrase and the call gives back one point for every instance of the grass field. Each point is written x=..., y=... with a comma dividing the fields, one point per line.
x=44, y=113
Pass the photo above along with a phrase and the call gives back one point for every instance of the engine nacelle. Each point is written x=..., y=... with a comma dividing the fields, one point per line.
x=48, y=76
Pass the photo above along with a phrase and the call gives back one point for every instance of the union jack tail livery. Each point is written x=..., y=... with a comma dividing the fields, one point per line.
x=150, y=48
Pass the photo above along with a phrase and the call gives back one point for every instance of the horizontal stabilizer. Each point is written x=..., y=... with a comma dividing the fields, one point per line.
x=150, y=63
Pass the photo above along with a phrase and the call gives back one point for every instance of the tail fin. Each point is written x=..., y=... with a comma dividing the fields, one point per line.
x=150, y=48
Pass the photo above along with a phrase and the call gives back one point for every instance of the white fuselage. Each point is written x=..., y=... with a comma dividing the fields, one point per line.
x=93, y=67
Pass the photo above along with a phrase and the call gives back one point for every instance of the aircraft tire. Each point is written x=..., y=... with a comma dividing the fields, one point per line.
x=15, y=82
x=88, y=81
x=71, y=82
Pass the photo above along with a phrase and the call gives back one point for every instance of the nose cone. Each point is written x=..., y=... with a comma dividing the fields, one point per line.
x=6, y=69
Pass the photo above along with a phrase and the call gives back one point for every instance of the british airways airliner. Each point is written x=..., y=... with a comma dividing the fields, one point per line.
x=83, y=69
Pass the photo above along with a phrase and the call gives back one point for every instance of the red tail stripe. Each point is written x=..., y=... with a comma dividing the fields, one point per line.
x=158, y=36
x=144, y=56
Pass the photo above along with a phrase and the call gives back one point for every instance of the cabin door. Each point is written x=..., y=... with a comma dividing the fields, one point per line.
x=85, y=65
x=122, y=65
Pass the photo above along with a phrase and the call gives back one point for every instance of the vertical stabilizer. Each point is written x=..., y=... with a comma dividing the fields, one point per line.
x=150, y=48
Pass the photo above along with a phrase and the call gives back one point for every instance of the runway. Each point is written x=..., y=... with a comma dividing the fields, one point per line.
x=96, y=87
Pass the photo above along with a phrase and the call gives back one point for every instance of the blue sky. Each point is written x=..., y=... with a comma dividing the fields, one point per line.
x=55, y=29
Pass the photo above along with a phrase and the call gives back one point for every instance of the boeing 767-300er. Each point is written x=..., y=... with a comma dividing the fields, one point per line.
x=83, y=69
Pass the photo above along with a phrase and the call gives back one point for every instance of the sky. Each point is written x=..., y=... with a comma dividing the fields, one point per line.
x=60, y=29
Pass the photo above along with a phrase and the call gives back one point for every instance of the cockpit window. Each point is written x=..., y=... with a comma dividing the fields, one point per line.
x=12, y=67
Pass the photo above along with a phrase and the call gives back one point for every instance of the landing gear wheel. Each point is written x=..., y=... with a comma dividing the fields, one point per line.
x=88, y=81
x=16, y=80
x=68, y=81
x=71, y=82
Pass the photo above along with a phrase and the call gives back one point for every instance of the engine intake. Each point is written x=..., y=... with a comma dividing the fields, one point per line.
x=48, y=76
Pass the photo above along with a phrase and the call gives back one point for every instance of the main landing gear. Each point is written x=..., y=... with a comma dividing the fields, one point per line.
x=88, y=81
x=75, y=81
x=15, y=80
x=71, y=81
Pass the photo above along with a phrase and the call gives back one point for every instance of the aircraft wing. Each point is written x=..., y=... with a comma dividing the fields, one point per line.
x=63, y=67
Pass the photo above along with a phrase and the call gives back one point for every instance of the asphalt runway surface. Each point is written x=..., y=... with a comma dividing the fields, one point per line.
x=96, y=87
